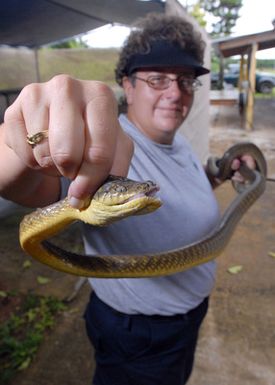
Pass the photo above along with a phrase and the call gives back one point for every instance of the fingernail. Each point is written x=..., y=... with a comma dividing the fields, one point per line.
x=76, y=203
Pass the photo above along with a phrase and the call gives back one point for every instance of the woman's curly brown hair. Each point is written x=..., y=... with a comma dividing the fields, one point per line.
x=154, y=27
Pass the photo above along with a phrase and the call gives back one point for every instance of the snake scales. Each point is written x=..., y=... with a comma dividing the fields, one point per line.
x=121, y=197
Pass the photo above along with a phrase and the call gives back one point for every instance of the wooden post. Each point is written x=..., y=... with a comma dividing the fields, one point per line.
x=242, y=74
x=251, y=89
x=221, y=72
x=243, y=88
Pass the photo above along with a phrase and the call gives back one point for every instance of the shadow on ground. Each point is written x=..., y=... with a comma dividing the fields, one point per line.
x=237, y=342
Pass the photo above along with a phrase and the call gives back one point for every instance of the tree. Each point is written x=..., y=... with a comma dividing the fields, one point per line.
x=198, y=13
x=226, y=12
x=71, y=43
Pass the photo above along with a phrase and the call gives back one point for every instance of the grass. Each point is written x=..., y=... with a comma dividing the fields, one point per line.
x=97, y=64
x=22, y=333
x=17, y=66
x=265, y=96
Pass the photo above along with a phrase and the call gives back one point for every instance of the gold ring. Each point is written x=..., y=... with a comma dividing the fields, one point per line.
x=35, y=139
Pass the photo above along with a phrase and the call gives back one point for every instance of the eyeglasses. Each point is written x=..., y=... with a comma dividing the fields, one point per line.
x=162, y=82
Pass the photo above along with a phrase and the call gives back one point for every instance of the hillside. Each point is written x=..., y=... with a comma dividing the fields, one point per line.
x=18, y=67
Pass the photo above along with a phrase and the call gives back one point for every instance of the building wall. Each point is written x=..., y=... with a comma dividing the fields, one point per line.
x=196, y=126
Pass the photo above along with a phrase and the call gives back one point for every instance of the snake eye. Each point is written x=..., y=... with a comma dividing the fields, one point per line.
x=119, y=188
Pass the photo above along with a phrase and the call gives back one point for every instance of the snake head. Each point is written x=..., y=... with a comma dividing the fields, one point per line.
x=121, y=197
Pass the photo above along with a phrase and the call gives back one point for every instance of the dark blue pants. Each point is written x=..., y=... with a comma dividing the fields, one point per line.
x=142, y=350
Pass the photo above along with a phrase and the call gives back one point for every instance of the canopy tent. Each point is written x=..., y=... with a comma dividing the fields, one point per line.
x=33, y=23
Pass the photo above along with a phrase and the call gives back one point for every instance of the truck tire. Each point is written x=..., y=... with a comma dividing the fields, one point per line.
x=265, y=87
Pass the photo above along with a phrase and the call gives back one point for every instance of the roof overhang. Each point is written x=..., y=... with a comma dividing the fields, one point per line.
x=241, y=45
x=33, y=23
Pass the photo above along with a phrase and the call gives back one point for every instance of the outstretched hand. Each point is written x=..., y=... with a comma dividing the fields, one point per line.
x=84, y=140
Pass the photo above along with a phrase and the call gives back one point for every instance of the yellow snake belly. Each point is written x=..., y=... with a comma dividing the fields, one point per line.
x=38, y=226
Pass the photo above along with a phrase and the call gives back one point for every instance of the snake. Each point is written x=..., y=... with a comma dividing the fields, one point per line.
x=121, y=197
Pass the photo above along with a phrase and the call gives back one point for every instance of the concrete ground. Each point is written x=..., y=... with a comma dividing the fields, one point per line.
x=237, y=341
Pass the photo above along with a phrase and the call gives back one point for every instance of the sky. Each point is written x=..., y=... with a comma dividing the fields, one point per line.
x=255, y=16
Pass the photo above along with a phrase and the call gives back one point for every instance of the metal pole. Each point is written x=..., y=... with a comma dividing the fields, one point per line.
x=36, y=65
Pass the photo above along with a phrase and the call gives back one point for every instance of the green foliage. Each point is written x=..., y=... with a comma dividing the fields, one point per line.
x=198, y=13
x=266, y=65
x=215, y=63
x=22, y=333
x=226, y=12
x=71, y=43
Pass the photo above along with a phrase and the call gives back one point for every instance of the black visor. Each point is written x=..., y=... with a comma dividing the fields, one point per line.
x=165, y=54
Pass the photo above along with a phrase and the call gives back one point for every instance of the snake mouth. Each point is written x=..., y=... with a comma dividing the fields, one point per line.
x=151, y=193
x=144, y=202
